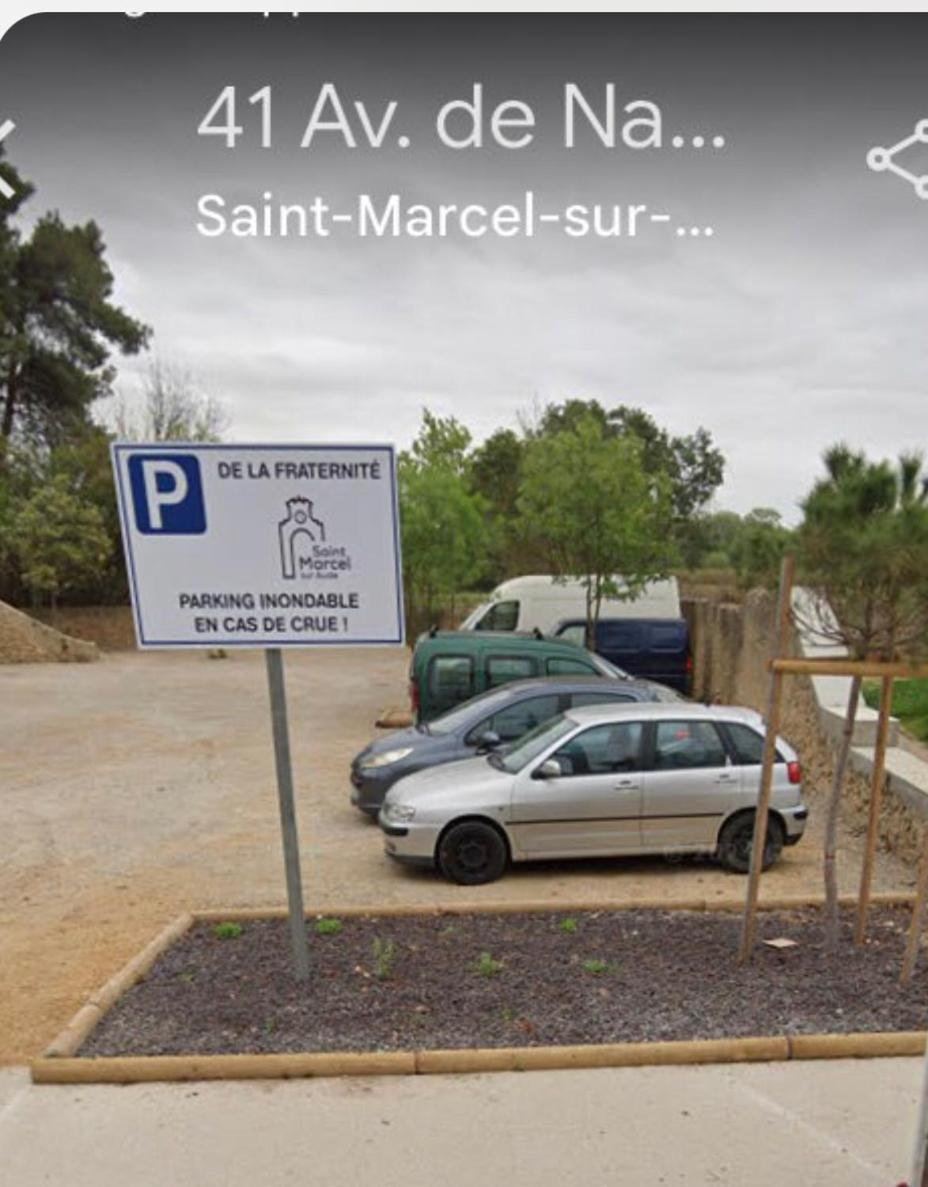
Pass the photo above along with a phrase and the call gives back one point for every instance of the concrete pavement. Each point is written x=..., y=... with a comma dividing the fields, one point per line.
x=845, y=1123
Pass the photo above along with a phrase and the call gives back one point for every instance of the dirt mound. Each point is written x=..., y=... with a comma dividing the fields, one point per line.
x=23, y=640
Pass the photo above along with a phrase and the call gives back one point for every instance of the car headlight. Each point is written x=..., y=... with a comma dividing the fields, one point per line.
x=385, y=759
x=399, y=812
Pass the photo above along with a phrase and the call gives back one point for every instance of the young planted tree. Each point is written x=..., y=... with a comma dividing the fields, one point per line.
x=863, y=549
x=588, y=497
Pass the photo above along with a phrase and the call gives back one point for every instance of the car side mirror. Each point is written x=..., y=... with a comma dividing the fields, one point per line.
x=488, y=741
x=549, y=769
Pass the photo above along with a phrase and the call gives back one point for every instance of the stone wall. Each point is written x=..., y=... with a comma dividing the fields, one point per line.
x=110, y=627
x=731, y=647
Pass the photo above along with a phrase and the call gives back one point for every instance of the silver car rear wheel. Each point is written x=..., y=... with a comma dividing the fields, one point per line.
x=737, y=839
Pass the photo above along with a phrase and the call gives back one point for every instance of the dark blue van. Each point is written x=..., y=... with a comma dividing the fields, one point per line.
x=649, y=648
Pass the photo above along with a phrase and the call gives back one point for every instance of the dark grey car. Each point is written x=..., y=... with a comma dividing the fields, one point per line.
x=484, y=723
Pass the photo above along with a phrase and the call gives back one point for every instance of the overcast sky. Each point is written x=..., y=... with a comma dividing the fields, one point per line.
x=802, y=320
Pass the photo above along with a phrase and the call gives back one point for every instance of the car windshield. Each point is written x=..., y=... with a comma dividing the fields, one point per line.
x=521, y=753
x=607, y=669
x=462, y=716
x=475, y=615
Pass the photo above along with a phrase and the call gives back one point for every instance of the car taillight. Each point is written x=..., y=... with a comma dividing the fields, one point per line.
x=794, y=770
x=414, y=696
x=689, y=665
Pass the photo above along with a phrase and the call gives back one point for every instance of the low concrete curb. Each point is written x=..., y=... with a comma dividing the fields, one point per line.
x=58, y=1064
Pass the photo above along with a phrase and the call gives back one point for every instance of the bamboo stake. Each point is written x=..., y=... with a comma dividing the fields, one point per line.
x=877, y=784
x=918, y=913
x=832, y=811
x=774, y=700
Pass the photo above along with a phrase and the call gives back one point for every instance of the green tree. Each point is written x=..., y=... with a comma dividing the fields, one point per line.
x=60, y=540
x=57, y=324
x=588, y=496
x=444, y=540
x=444, y=525
x=83, y=464
x=442, y=441
x=692, y=463
x=759, y=546
x=863, y=550
x=494, y=473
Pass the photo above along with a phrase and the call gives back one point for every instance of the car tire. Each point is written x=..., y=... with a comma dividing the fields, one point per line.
x=471, y=853
x=737, y=838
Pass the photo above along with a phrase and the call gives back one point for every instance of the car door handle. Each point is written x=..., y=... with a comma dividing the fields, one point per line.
x=727, y=777
x=626, y=785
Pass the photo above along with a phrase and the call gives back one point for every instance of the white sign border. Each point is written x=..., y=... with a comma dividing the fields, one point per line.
x=124, y=502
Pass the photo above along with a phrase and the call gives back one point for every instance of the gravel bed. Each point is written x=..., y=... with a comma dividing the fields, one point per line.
x=521, y=979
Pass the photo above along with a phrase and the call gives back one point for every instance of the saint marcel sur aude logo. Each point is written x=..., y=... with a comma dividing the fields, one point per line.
x=305, y=552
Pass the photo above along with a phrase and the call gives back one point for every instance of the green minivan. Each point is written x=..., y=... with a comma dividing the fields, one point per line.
x=452, y=666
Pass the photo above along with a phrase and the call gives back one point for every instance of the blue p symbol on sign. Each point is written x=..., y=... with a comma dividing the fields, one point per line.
x=167, y=494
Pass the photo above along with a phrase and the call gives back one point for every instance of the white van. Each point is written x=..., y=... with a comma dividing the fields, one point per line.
x=540, y=603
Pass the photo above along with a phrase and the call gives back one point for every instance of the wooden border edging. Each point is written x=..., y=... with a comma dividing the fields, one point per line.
x=173, y=1068
x=69, y=1040
x=536, y=906
x=58, y=1064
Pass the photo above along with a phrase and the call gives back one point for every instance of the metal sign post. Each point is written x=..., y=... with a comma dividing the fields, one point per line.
x=263, y=547
x=278, y=696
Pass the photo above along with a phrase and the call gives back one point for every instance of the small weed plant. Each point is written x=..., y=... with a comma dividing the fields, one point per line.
x=486, y=966
x=384, y=958
x=227, y=930
x=569, y=926
x=596, y=967
x=328, y=927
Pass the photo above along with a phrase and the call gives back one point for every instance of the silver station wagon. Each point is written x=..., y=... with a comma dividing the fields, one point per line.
x=600, y=781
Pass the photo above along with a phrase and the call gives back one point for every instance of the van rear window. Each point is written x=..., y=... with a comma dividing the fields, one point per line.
x=451, y=679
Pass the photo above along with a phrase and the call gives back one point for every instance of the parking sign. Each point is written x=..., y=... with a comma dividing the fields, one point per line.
x=261, y=545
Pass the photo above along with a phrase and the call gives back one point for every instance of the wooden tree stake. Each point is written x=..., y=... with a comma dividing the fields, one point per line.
x=766, y=780
x=877, y=783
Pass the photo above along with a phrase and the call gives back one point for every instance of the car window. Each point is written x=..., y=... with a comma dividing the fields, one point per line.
x=451, y=679
x=667, y=636
x=619, y=636
x=748, y=744
x=597, y=698
x=569, y=667
x=515, y=720
x=602, y=750
x=535, y=742
x=573, y=633
x=501, y=616
x=501, y=669
x=687, y=745
x=463, y=716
